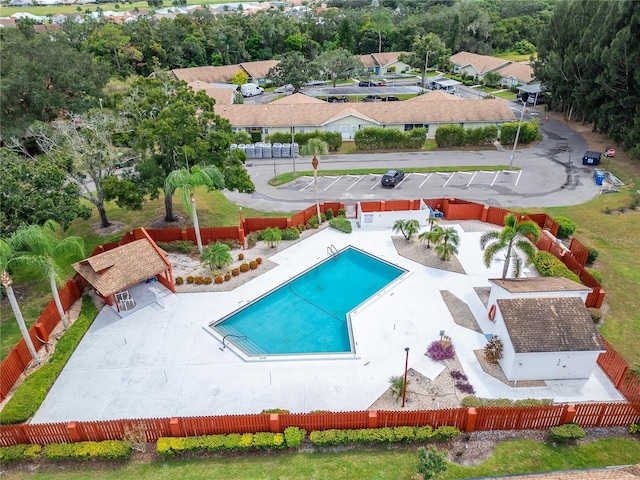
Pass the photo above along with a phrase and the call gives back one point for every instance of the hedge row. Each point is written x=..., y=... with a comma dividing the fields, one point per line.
x=333, y=139
x=473, y=401
x=234, y=442
x=29, y=396
x=550, y=266
x=528, y=132
x=341, y=223
x=455, y=135
x=107, y=450
x=326, y=438
x=377, y=138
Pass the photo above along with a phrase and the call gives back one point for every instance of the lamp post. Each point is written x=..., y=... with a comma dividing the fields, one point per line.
x=426, y=64
x=314, y=164
x=404, y=384
x=293, y=156
x=515, y=141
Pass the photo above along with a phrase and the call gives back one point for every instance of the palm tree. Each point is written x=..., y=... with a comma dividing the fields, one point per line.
x=513, y=236
x=216, y=256
x=38, y=250
x=428, y=236
x=7, y=283
x=273, y=236
x=446, y=241
x=187, y=181
x=315, y=147
x=408, y=228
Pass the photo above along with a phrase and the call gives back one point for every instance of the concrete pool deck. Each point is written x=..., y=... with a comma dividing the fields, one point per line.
x=159, y=362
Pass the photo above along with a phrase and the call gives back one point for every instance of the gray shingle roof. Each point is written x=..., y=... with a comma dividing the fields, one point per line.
x=557, y=324
x=539, y=284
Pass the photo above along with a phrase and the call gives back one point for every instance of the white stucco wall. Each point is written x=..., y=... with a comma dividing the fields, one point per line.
x=550, y=366
x=378, y=220
x=499, y=293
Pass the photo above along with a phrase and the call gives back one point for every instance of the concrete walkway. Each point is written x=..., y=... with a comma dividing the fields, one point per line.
x=159, y=361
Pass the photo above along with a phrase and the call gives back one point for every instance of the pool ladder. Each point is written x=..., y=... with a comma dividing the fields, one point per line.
x=332, y=250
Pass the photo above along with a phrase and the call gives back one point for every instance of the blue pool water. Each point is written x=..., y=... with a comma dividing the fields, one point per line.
x=308, y=314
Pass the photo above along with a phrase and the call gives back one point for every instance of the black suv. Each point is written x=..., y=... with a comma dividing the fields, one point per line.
x=392, y=178
x=366, y=83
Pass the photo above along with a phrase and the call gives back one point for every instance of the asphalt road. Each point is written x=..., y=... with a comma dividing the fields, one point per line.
x=551, y=174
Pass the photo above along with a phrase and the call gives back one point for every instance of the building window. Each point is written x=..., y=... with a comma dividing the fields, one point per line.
x=411, y=126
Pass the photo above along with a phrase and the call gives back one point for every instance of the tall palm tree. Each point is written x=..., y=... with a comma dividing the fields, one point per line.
x=7, y=282
x=408, y=228
x=216, y=256
x=315, y=147
x=186, y=182
x=513, y=236
x=38, y=250
x=446, y=241
x=428, y=236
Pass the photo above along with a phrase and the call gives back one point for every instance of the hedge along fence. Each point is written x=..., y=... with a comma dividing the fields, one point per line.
x=377, y=138
x=14, y=364
x=464, y=419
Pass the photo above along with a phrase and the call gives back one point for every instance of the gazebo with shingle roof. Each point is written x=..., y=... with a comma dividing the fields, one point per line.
x=133, y=262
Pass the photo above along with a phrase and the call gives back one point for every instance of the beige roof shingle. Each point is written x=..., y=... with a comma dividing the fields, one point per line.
x=117, y=269
x=259, y=69
x=482, y=63
x=440, y=110
x=222, y=96
x=520, y=71
x=221, y=74
x=539, y=284
x=556, y=324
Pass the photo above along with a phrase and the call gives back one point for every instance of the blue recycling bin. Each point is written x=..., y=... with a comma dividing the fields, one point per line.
x=599, y=178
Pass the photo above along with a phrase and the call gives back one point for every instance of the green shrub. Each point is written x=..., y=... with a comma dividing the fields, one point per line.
x=566, y=433
x=29, y=396
x=290, y=233
x=404, y=434
x=593, y=255
x=252, y=239
x=424, y=434
x=596, y=314
x=19, y=452
x=179, y=246
x=596, y=274
x=446, y=433
x=327, y=438
x=342, y=212
x=329, y=213
x=431, y=461
x=342, y=224
x=313, y=221
x=566, y=227
x=293, y=436
x=107, y=450
x=450, y=136
x=528, y=132
x=549, y=266
x=268, y=441
x=473, y=401
x=634, y=428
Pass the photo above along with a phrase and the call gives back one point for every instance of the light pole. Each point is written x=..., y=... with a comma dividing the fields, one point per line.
x=426, y=63
x=293, y=156
x=314, y=164
x=515, y=141
x=404, y=384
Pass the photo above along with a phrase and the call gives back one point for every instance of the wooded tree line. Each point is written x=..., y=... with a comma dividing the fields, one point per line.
x=589, y=59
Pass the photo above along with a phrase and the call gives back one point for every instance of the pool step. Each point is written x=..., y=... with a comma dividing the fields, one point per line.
x=247, y=344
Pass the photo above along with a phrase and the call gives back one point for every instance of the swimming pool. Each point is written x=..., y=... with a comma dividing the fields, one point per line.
x=309, y=313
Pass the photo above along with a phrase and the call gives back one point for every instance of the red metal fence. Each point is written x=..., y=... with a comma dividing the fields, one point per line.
x=465, y=419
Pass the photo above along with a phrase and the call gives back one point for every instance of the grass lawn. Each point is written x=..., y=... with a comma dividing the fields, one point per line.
x=213, y=210
x=512, y=457
x=616, y=236
x=121, y=7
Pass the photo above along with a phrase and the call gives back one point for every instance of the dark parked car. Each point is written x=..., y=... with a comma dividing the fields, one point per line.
x=390, y=98
x=392, y=178
x=372, y=98
x=337, y=99
x=366, y=83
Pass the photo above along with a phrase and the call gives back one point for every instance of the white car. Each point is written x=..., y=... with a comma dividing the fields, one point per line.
x=284, y=89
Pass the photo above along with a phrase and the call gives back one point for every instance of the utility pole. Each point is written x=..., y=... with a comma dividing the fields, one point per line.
x=515, y=141
x=424, y=72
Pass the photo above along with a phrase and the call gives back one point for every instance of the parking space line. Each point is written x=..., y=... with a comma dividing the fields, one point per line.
x=331, y=184
x=356, y=182
x=495, y=178
x=378, y=182
x=428, y=177
x=405, y=177
x=308, y=184
x=472, y=177
x=450, y=178
x=518, y=179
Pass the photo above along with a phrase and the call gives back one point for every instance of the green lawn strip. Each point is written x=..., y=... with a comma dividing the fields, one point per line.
x=290, y=176
x=122, y=7
x=214, y=210
x=507, y=95
x=512, y=457
x=528, y=456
